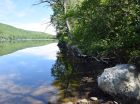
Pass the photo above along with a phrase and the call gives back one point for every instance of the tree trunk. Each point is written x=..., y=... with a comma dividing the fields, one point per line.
x=67, y=20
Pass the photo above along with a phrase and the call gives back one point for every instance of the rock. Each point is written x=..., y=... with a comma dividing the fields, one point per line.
x=76, y=50
x=101, y=101
x=87, y=79
x=94, y=98
x=108, y=102
x=121, y=80
x=83, y=101
x=115, y=102
x=68, y=103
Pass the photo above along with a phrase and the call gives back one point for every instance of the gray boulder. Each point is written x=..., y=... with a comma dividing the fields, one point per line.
x=121, y=80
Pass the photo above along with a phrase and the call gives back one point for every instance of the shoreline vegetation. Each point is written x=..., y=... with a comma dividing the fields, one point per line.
x=75, y=79
x=103, y=33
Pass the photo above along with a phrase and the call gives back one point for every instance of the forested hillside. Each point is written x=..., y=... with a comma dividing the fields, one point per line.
x=105, y=29
x=11, y=33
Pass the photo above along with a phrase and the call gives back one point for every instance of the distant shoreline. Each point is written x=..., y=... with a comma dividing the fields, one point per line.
x=6, y=40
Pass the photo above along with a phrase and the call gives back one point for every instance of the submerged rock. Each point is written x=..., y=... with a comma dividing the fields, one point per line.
x=93, y=98
x=121, y=80
x=68, y=103
x=83, y=101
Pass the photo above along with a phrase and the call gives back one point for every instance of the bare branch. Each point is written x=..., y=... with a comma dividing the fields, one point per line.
x=50, y=2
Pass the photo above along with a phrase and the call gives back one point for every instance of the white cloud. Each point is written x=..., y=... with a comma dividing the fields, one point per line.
x=42, y=26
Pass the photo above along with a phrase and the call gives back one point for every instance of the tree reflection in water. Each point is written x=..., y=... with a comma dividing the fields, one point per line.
x=65, y=72
x=74, y=75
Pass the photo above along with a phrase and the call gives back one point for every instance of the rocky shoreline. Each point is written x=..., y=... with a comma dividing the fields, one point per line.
x=89, y=90
x=92, y=100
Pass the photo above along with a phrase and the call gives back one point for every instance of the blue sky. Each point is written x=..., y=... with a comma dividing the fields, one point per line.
x=23, y=14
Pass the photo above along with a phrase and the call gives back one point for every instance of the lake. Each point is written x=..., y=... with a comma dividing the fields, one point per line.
x=25, y=73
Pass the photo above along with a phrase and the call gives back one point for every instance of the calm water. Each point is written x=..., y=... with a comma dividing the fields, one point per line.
x=25, y=75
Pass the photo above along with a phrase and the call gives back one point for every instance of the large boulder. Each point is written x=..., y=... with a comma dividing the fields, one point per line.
x=121, y=80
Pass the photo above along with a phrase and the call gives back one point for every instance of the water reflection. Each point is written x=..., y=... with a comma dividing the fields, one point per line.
x=7, y=47
x=25, y=76
x=75, y=75
x=66, y=73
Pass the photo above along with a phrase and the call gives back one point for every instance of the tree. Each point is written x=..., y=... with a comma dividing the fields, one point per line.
x=100, y=28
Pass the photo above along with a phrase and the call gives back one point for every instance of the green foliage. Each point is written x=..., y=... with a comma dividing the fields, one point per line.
x=102, y=28
x=110, y=28
x=11, y=33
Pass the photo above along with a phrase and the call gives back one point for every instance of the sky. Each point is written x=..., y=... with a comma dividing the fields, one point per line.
x=23, y=14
